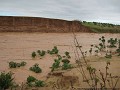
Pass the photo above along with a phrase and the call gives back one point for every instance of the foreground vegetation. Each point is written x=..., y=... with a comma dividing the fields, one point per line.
x=6, y=80
x=102, y=80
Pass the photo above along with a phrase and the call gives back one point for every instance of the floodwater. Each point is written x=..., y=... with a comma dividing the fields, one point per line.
x=19, y=46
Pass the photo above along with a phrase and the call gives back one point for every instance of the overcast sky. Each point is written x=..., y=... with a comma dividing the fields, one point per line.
x=90, y=10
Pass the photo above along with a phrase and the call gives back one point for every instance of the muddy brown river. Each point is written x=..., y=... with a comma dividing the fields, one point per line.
x=19, y=46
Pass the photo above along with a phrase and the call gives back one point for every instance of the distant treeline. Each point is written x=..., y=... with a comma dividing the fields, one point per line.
x=102, y=27
x=100, y=24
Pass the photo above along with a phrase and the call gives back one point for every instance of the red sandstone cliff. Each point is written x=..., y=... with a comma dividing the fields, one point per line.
x=35, y=24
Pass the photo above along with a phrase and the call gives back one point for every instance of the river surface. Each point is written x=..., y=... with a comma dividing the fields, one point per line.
x=19, y=46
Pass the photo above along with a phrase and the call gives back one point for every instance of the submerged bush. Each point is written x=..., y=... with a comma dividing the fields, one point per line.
x=33, y=82
x=53, y=51
x=102, y=39
x=90, y=51
x=67, y=54
x=101, y=45
x=56, y=64
x=6, y=80
x=23, y=63
x=59, y=57
x=15, y=64
x=66, y=64
x=33, y=54
x=31, y=79
x=12, y=64
x=65, y=61
x=41, y=53
x=39, y=83
x=35, y=68
x=112, y=42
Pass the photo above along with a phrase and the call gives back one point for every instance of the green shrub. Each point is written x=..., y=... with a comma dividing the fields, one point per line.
x=90, y=51
x=18, y=64
x=39, y=83
x=53, y=51
x=23, y=63
x=56, y=64
x=59, y=57
x=66, y=66
x=15, y=65
x=33, y=82
x=31, y=79
x=12, y=64
x=65, y=61
x=101, y=44
x=41, y=53
x=112, y=42
x=67, y=54
x=48, y=51
x=96, y=52
x=36, y=68
x=33, y=54
x=38, y=51
x=6, y=80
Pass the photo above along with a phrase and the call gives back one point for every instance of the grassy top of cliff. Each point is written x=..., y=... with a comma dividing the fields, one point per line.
x=102, y=27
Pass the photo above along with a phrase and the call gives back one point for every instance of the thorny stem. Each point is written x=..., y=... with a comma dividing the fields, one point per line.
x=104, y=80
x=106, y=74
x=76, y=42
x=109, y=84
x=95, y=81
x=79, y=64
x=116, y=83
x=92, y=75
x=77, y=58
x=111, y=80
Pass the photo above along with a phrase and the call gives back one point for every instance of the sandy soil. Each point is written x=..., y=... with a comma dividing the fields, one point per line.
x=19, y=46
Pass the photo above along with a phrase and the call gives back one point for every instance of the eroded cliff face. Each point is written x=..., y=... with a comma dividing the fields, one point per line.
x=35, y=24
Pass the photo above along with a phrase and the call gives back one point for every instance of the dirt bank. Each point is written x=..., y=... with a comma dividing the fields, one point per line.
x=37, y=24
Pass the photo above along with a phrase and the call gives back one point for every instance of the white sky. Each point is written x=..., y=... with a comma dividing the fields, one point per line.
x=90, y=10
